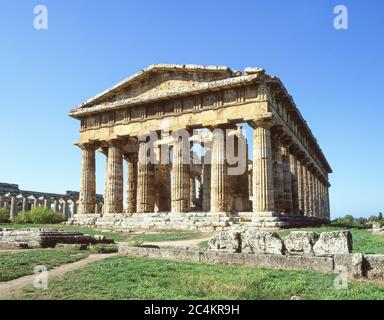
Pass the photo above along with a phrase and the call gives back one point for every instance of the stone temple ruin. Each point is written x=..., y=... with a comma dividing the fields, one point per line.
x=285, y=184
x=15, y=200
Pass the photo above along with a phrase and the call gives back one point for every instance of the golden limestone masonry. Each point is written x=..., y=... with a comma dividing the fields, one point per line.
x=154, y=119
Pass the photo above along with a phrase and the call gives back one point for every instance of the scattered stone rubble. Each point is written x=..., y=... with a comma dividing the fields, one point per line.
x=45, y=238
x=296, y=243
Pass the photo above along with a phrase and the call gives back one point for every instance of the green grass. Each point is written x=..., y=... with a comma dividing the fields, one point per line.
x=16, y=264
x=203, y=244
x=139, y=278
x=167, y=236
x=85, y=230
x=363, y=241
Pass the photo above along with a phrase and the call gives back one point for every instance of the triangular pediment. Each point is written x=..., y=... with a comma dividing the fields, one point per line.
x=160, y=78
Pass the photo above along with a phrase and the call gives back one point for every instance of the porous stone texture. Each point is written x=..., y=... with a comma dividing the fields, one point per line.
x=301, y=242
x=374, y=266
x=45, y=238
x=331, y=243
x=352, y=262
x=202, y=221
x=226, y=240
x=261, y=242
x=318, y=264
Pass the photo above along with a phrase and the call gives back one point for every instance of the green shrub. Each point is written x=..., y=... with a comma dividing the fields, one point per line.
x=39, y=216
x=104, y=248
x=4, y=216
x=136, y=243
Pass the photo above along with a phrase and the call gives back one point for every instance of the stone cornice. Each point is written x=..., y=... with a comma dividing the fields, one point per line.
x=82, y=111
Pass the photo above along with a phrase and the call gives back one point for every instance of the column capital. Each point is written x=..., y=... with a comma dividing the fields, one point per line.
x=266, y=121
x=87, y=146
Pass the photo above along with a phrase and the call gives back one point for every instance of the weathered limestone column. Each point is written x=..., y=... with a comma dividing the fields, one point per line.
x=263, y=192
x=56, y=205
x=25, y=202
x=300, y=186
x=131, y=183
x=310, y=193
x=145, y=180
x=2, y=200
x=180, y=176
x=288, y=208
x=207, y=180
x=306, y=187
x=114, y=193
x=47, y=203
x=36, y=202
x=162, y=175
x=327, y=202
x=278, y=174
x=192, y=191
x=87, y=196
x=14, y=210
x=218, y=172
x=74, y=208
x=65, y=209
x=294, y=183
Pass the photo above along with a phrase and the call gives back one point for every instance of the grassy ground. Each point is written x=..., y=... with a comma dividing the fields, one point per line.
x=85, y=230
x=140, y=278
x=363, y=241
x=167, y=236
x=16, y=264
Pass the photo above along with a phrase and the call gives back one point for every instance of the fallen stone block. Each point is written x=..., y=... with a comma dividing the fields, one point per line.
x=331, y=243
x=262, y=242
x=301, y=242
x=226, y=240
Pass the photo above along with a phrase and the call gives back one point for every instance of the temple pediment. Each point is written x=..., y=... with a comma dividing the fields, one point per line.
x=159, y=78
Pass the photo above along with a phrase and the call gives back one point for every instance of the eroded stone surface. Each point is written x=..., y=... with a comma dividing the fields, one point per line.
x=45, y=238
x=261, y=242
x=301, y=242
x=226, y=240
x=331, y=243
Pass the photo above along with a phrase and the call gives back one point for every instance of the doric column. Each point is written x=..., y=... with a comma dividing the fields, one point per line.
x=87, y=196
x=306, y=187
x=14, y=206
x=294, y=183
x=288, y=208
x=207, y=179
x=64, y=208
x=47, y=203
x=278, y=173
x=114, y=192
x=56, y=205
x=300, y=186
x=180, y=176
x=145, y=180
x=74, y=208
x=25, y=202
x=192, y=191
x=263, y=191
x=310, y=194
x=219, y=187
x=2, y=200
x=36, y=201
x=327, y=203
x=131, y=183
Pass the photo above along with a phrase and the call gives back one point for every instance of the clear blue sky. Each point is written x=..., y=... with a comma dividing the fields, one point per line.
x=335, y=76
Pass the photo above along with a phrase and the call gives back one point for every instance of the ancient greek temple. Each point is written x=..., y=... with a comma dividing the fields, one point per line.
x=152, y=121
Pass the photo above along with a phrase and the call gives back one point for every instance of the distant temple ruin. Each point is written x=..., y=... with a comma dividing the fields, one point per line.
x=15, y=200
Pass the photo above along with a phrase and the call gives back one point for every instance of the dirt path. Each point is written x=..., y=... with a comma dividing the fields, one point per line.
x=13, y=287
